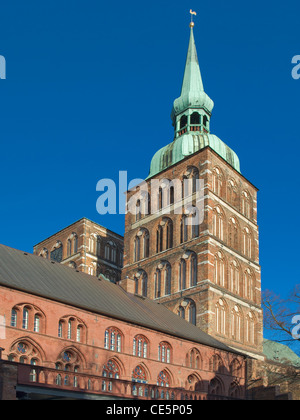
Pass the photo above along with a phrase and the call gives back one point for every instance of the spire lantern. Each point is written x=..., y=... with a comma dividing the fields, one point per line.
x=192, y=110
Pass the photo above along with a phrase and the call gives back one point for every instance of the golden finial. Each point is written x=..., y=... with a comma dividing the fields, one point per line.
x=192, y=24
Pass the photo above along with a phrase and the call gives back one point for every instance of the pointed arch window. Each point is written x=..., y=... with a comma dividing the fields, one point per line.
x=236, y=324
x=217, y=181
x=248, y=285
x=159, y=239
x=195, y=122
x=14, y=318
x=219, y=272
x=184, y=229
x=163, y=379
x=192, y=313
x=182, y=274
x=221, y=317
x=250, y=329
x=113, y=340
x=247, y=242
x=234, y=277
x=139, y=375
x=25, y=319
x=164, y=352
x=218, y=223
x=169, y=234
x=140, y=346
x=37, y=323
x=246, y=204
x=69, y=247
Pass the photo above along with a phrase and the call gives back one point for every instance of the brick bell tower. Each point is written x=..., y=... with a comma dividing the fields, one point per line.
x=198, y=257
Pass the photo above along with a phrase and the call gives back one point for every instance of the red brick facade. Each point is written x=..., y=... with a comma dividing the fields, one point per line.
x=87, y=247
x=221, y=292
x=66, y=355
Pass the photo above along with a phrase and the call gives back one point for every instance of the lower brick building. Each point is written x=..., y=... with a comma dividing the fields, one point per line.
x=87, y=247
x=71, y=335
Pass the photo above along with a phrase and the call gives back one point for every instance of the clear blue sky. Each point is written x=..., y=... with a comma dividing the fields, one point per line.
x=89, y=91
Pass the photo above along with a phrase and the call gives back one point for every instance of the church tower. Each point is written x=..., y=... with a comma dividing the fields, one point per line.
x=207, y=272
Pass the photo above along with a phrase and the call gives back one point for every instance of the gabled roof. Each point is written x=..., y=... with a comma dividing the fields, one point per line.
x=38, y=276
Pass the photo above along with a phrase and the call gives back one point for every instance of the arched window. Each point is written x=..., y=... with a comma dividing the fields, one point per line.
x=169, y=234
x=141, y=283
x=137, y=249
x=232, y=192
x=168, y=278
x=184, y=229
x=217, y=182
x=221, y=317
x=194, y=383
x=250, y=329
x=216, y=364
x=113, y=340
x=192, y=313
x=57, y=252
x=164, y=352
x=79, y=333
x=247, y=242
x=183, y=121
x=182, y=275
x=25, y=319
x=233, y=233
x=193, y=269
x=111, y=371
x=107, y=252
x=60, y=329
x=157, y=283
x=163, y=379
x=236, y=324
x=138, y=212
x=25, y=351
x=144, y=282
x=195, y=122
x=195, y=221
x=69, y=247
x=234, y=277
x=37, y=323
x=194, y=359
x=146, y=244
x=218, y=223
x=14, y=318
x=140, y=346
x=139, y=375
x=246, y=203
x=72, y=328
x=219, y=269
x=75, y=243
x=159, y=239
x=248, y=284
x=114, y=253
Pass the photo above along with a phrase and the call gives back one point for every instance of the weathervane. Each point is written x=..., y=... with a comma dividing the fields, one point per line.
x=192, y=24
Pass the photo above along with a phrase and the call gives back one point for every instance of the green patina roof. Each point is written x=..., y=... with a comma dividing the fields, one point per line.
x=192, y=98
x=188, y=144
x=192, y=91
x=280, y=353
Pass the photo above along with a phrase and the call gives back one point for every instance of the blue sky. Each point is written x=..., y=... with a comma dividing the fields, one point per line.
x=89, y=92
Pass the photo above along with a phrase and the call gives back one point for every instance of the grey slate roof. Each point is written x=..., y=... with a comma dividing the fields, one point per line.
x=40, y=277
